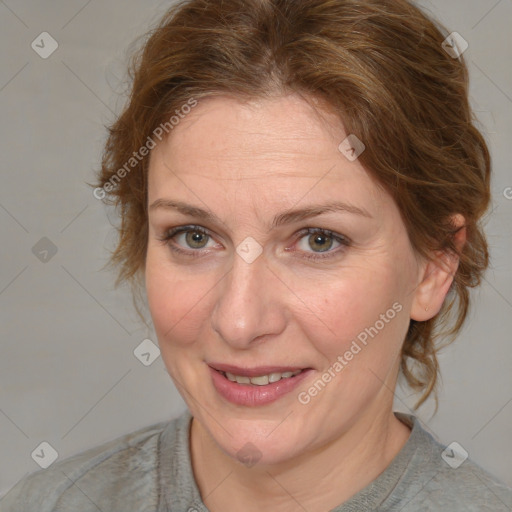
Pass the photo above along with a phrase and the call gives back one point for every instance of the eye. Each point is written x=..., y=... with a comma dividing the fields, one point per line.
x=321, y=241
x=189, y=240
x=195, y=239
x=182, y=237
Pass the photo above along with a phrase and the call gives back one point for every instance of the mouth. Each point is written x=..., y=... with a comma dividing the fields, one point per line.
x=255, y=386
x=260, y=380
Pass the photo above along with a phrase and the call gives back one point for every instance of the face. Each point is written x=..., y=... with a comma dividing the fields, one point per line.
x=271, y=253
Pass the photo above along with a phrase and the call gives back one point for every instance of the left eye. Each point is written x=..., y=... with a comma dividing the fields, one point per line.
x=319, y=241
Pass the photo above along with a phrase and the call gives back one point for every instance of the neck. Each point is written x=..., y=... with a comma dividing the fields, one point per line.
x=316, y=481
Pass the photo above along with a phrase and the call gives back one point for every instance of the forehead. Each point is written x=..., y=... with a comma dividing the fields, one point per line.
x=283, y=145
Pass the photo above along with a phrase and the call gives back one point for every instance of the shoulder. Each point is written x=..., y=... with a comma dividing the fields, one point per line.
x=443, y=477
x=112, y=476
x=468, y=487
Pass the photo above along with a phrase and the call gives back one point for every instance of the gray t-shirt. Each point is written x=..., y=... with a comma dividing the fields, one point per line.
x=150, y=471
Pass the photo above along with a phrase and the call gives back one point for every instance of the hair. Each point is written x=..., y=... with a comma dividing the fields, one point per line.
x=380, y=66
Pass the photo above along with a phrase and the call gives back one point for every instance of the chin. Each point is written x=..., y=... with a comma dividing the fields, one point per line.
x=254, y=441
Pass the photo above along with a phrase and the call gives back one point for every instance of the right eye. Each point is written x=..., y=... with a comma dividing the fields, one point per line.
x=192, y=238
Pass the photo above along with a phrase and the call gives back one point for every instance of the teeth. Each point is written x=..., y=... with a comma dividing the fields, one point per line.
x=274, y=377
x=261, y=380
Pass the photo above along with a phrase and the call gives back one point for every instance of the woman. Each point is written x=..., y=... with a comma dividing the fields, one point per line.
x=301, y=189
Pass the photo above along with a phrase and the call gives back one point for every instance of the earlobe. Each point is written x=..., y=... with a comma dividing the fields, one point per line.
x=437, y=277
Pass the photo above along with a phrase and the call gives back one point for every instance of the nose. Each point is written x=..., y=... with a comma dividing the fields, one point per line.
x=249, y=306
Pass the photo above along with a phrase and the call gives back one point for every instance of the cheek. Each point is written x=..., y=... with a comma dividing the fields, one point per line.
x=177, y=301
x=367, y=321
x=363, y=306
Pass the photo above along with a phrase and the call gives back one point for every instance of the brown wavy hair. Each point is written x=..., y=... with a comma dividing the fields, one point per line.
x=378, y=64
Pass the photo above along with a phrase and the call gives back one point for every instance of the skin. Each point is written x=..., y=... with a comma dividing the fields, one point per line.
x=247, y=162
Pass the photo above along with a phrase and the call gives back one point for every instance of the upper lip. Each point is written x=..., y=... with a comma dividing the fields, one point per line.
x=255, y=371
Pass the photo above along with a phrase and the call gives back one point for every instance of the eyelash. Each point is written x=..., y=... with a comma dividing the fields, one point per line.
x=169, y=235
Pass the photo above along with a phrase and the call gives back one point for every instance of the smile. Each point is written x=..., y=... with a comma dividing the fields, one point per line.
x=256, y=386
x=261, y=380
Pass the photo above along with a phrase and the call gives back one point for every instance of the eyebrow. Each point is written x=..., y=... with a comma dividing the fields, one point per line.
x=287, y=217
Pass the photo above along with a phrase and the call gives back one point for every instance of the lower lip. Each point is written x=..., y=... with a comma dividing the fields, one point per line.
x=251, y=394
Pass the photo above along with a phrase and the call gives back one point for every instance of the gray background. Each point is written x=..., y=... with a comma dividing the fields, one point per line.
x=68, y=374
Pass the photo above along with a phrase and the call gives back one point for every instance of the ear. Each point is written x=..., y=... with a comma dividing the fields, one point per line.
x=437, y=276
